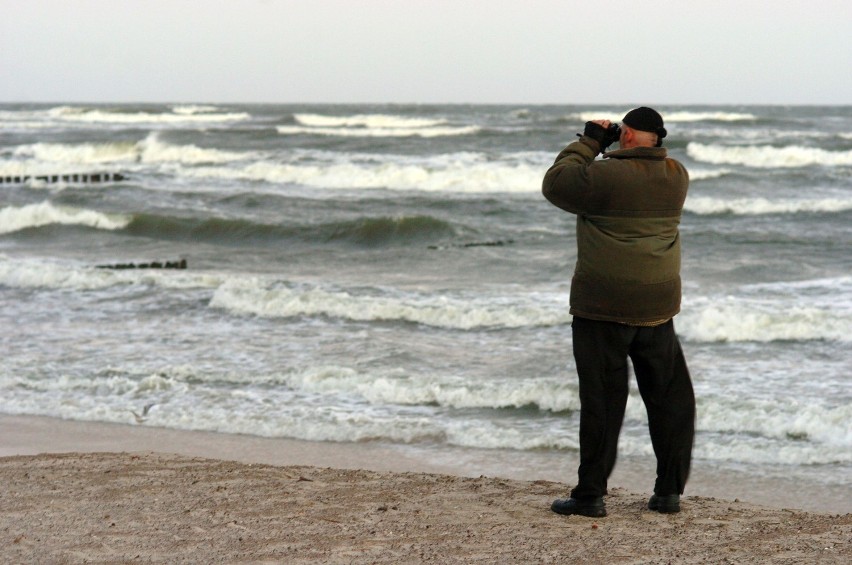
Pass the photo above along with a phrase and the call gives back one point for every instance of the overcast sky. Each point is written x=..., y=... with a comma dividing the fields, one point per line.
x=427, y=51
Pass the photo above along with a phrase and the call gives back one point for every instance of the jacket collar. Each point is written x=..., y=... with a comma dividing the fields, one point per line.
x=652, y=153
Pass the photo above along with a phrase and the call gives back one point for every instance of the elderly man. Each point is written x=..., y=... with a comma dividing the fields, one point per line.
x=625, y=291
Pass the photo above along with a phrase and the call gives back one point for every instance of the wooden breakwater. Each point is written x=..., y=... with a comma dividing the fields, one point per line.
x=67, y=178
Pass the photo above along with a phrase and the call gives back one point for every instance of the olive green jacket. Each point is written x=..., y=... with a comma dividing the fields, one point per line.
x=628, y=208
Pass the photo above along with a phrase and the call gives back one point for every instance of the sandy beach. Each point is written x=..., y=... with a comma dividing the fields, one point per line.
x=148, y=503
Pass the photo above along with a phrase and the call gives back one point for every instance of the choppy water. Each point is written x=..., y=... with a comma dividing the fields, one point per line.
x=392, y=273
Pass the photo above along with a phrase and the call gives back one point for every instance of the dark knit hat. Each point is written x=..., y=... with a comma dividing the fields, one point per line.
x=646, y=119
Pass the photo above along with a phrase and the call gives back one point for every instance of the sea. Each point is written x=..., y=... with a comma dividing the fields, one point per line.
x=391, y=274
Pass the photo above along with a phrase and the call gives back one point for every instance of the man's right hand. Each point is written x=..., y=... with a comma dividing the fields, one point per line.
x=596, y=130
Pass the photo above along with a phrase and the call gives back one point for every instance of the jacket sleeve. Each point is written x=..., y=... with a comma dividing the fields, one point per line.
x=567, y=183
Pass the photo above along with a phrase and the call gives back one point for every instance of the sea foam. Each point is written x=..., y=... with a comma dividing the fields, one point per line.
x=14, y=218
x=796, y=311
x=757, y=315
x=444, y=131
x=76, y=154
x=38, y=156
x=53, y=275
x=153, y=150
x=257, y=297
x=765, y=156
x=458, y=172
x=706, y=205
x=668, y=117
x=379, y=121
x=337, y=403
x=99, y=116
x=787, y=314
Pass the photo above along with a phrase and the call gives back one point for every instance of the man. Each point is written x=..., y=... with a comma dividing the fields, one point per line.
x=625, y=291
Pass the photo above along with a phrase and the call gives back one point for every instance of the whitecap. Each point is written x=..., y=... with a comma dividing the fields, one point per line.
x=102, y=116
x=765, y=156
x=763, y=317
x=757, y=206
x=38, y=273
x=77, y=153
x=377, y=121
x=447, y=173
x=258, y=297
x=380, y=131
x=14, y=218
x=153, y=150
x=669, y=117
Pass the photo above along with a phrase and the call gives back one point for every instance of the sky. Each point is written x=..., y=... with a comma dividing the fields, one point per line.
x=787, y=52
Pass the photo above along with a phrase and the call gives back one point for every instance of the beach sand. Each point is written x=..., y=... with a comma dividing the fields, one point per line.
x=122, y=494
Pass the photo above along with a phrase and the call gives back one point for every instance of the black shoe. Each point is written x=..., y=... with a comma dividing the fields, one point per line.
x=668, y=504
x=591, y=507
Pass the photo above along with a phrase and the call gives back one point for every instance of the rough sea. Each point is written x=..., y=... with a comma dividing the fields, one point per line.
x=392, y=274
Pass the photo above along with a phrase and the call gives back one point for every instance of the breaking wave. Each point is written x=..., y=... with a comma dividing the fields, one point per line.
x=766, y=156
x=178, y=115
x=380, y=121
x=373, y=125
x=340, y=403
x=458, y=172
x=13, y=219
x=380, y=131
x=149, y=150
x=259, y=298
x=794, y=311
x=677, y=116
x=705, y=205
x=777, y=317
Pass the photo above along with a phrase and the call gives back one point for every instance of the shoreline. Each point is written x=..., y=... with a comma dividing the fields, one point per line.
x=37, y=435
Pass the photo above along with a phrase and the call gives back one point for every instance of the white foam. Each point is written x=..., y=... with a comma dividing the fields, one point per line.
x=77, y=153
x=758, y=206
x=757, y=432
x=472, y=173
x=709, y=117
x=668, y=117
x=739, y=449
x=799, y=311
x=761, y=314
x=22, y=121
x=38, y=273
x=781, y=419
x=795, y=311
x=97, y=116
x=335, y=403
x=373, y=125
x=401, y=388
x=380, y=132
x=188, y=109
x=705, y=174
x=14, y=218
x=378, y=121
x=32, y=273
x=761, y=135
x=153, y=150
x=254, y=296
x=765, y=156
x=58, y=158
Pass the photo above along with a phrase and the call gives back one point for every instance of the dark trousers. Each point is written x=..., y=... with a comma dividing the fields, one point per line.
x=601, y=350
